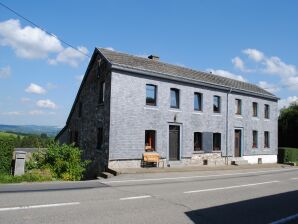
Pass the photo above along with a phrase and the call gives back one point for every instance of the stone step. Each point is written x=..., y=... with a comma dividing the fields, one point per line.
x=105, y=175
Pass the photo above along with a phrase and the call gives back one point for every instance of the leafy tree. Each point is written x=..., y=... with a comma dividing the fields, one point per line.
x=6, y=151
x=288, y=126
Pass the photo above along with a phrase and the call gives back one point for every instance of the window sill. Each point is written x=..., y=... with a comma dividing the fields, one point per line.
x=217, y=114
x=239, y=116
x=197, y=112
x=198, y=152
x=175, y=110
x=216, y=151
x=266, y=119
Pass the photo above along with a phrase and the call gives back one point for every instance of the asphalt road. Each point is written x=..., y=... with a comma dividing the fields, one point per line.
x=227, y=196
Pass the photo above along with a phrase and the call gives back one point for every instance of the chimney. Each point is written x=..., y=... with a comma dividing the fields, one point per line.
x=153, y=57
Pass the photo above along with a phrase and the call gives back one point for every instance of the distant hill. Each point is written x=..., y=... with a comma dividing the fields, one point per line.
x=30, y=129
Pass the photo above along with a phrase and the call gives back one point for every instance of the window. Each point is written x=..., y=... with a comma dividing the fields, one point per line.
x=254, y=109
x=99, y=138
x=266, y=139
x=238, y=105
x=151, y=95
x=149, y=140
x=198, y=102
x=254, y=139
x=216, y=104
x=197, y=141
x=267, y=111
x=80, y=109
x=216, y=141
x=174, y=98
x=102, y=92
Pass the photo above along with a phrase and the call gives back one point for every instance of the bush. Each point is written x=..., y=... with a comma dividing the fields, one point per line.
x=64, y=161
x=6, y=152
x=286, y=155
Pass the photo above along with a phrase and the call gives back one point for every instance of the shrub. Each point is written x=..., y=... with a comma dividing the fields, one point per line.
x=6, y=152
x=34, y=176
x=286, y=155
x=64, y=161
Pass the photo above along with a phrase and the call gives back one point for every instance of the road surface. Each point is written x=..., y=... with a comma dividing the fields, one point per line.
x=227, y=196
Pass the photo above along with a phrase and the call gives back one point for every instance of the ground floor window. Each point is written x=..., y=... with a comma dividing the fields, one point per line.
x=197, y=141
x=150, y=140
x=255, y=139
x=266, y=139
x=216, y=141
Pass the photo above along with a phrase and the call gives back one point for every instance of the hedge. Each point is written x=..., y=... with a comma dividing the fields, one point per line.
x=6, y=152
x=286, y=155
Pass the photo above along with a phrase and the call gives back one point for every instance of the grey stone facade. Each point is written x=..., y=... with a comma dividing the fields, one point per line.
x=124, y=116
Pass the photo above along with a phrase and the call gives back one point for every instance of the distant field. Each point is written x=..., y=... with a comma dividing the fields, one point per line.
x=5, y=134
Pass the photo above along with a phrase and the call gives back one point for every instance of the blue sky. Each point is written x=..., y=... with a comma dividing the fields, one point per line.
x=254, y=41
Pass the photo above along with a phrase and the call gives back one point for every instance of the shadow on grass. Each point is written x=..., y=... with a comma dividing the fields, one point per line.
x=259, y=210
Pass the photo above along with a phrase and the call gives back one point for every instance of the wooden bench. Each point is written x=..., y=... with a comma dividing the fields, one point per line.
x=151, y=158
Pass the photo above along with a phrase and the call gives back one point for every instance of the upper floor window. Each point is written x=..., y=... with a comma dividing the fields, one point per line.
x=198, y=101
x=150, y=140
x=174, y=98
x=76, y=139
x=254, y=109
x=102, y=92
x=238, y=105
x=151, y=95
x=267, y=111
x=216, y=104
x=266, y=139
x=197, y=141
x=255, y=139
x=216, y=141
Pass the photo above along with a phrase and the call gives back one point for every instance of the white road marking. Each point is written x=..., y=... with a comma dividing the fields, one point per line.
x=230, y=187
x=296, y=178
x=38, y=206
x=286, y=219
x=192, y=177
x=138, y=197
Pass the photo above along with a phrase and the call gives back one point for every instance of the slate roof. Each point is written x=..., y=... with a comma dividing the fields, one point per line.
x=149, y=65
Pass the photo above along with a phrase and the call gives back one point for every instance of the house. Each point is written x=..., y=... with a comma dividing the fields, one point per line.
x=127, y=105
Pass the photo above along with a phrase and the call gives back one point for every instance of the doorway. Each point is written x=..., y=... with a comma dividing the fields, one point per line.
x=238, y=142
x=174, y=142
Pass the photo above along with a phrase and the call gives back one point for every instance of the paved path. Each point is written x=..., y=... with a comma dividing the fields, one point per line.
x=222, y=196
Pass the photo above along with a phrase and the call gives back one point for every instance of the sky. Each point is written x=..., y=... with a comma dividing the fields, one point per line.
x=253, y=41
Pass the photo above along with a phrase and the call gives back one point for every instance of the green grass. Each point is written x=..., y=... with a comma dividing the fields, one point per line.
x=32, y=176
x=5, y=134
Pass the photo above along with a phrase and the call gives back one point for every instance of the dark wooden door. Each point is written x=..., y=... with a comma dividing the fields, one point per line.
x=237, y=143
x=174, y=142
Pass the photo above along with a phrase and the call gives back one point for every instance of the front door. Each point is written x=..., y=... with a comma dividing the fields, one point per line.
x=174, y=142
x=237, y=143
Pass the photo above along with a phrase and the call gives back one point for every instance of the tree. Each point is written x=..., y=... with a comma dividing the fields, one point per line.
x=288, y=126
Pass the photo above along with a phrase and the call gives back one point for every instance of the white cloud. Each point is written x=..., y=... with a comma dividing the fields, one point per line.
x=291, y=83
x=238, y=63
x=70, y=56
x=27, y=42
x=109, y=48
x=46, y=104
x=5, y=72
x=274, y=65
x=254, y=54
x=284, y=103
x=34, y=88
x=36, y=112
x=268, y=86
x=227, y=74
x=12, y=113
